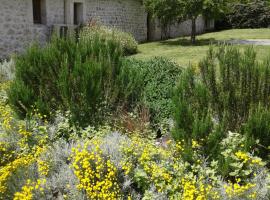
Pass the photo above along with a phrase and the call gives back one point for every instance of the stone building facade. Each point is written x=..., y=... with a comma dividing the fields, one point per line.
x=25, y=21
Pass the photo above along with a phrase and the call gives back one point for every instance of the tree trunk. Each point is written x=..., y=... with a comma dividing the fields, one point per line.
x=193, y=31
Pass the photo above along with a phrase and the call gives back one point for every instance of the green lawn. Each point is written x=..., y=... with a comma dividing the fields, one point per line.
x=181, y=51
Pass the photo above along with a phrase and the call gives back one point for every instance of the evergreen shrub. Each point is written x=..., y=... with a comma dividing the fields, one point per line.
x=81, y=76
x=257, y=131
x=159, y=77
x=231, y=93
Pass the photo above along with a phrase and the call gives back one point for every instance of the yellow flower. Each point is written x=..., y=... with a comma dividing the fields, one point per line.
x=236, y=190
x=43, y=167
x=97, y=175
x=27, y=190
x=195, y=144
x=242, y=156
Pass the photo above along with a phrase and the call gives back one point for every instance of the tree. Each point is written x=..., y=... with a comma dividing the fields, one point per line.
x=210, y=9
x=169, y=11
x=249, y=14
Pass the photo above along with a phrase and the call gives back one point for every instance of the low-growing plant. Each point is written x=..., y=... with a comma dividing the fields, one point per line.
x=236, y=162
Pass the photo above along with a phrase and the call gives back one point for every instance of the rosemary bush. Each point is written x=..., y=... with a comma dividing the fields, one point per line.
x=81, y=76
x=231, y=93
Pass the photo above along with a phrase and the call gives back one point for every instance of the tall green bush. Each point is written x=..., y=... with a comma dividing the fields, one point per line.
x=231, y=93
x=191, y=102
x=236, y=82
x=81, y=76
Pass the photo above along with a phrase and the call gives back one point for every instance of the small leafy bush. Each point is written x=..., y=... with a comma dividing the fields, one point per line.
x=231, y=93
x=159, y=77
x=84, y=77
x=126, y=40
x=254, y=14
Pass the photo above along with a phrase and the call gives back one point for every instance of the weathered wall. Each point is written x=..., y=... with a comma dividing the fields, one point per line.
x=177, y=29
x=55, y=12
x=128, y=15
x=184, y=28
x=17, y=30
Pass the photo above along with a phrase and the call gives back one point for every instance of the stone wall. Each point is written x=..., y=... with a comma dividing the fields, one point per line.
x=55, y=12
x=177, y=29
x=184, y=28
x=17, y=30
x=127, y=15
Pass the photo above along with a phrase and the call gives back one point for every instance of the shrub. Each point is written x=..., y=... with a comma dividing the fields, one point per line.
x=43, y=165
x=96, y=173
x=159, y=77
x=191, y=112
x=83, y=77
x=126, y=40
x=257, y=131
x=231, y=84
x=236, y=82
x=254, y=14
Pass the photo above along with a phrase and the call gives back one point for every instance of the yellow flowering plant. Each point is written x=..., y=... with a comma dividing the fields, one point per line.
x=27, y=191
x=96, y=173
x=237, y=162
x=40, y=160
x=163, y=170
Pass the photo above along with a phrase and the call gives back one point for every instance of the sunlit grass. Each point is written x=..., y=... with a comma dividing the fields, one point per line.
x=181, y=51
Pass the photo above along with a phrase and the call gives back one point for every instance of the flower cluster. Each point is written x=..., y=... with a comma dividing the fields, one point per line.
x=240, y=164
x=28, y=189
x=246, y=158
x=43, y=167
x=163, y=168
x=10, y=168
x=238, y=190
x=97, y=174
x=6, y=154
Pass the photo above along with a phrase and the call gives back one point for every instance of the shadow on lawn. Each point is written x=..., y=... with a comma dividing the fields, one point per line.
x=187, y=42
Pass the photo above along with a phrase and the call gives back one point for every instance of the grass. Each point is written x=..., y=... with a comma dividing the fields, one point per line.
x=262, y=33
x=181, y=51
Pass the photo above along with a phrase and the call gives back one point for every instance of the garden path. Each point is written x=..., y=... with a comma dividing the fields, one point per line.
x=264, y=42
